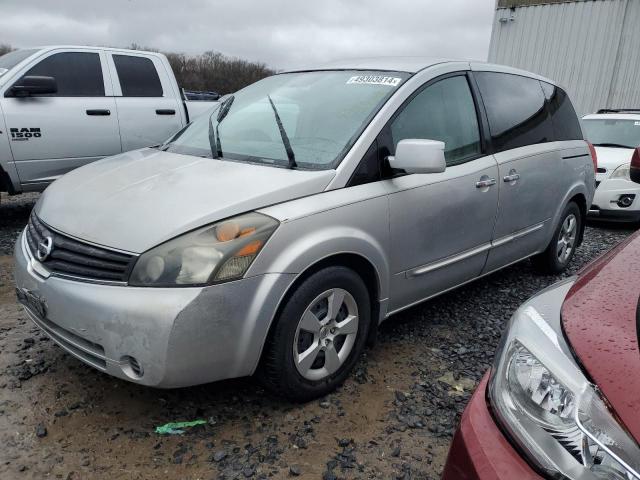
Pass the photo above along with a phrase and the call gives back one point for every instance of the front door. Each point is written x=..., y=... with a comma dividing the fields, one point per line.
x=53, y=134
x=441, y=224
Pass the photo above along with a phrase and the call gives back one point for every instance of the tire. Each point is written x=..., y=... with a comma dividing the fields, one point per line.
x=302, y=360
x=556, y=258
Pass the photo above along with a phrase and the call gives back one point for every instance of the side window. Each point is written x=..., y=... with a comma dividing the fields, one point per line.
x=443, y=111
x=566, y=125
x=516, y=110
x=78, y=74
x=138, y=76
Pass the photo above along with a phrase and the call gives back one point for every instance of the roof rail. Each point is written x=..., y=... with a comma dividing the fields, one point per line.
x=619, y=110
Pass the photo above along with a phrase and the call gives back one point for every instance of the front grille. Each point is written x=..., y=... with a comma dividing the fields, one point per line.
x=77, y=259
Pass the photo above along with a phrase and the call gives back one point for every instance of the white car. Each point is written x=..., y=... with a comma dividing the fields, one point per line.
x=615, y=135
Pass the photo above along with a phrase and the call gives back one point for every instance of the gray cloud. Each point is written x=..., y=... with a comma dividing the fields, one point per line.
x=282, y=33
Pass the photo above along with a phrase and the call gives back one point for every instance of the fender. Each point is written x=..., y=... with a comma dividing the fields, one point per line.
x=9, y=180
x=361, y=229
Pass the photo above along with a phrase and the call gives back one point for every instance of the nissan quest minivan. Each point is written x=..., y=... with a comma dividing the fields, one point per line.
x=273, y=236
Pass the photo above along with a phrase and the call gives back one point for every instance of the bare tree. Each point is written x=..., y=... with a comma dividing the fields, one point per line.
x=215, y=71
x=212, y=70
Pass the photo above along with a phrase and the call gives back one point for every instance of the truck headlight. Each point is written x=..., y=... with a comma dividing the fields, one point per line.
x=216, y=253
x=623, y=171
x=543, y=400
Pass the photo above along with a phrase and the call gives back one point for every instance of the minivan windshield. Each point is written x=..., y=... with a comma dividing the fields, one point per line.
x=11, y=59
x=307, y=120
x=621, y=133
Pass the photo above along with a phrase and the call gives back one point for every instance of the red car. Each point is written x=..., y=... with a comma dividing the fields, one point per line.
x=563, y=397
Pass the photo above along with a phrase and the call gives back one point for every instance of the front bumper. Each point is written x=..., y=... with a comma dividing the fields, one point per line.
x=177, y=336
x=480, y=451
x=605, y=201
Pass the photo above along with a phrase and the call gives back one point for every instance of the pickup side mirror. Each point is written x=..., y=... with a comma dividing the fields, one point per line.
x=33, y=85
x=634, y=169
x=419, y=156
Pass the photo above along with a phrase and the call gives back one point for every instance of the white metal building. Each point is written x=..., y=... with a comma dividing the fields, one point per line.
x=591, y=47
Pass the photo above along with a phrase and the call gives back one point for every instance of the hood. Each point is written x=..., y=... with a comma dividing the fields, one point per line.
x=600, y=319
x=611, y=157
x=139, y=199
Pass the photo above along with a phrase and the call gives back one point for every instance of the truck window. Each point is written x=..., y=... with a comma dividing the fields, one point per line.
x=138, y=76
x=78, y=74
x=516, y=108
x=11, y=59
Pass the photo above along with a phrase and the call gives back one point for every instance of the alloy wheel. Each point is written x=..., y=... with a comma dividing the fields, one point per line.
x=567, y=238
x=325, y=334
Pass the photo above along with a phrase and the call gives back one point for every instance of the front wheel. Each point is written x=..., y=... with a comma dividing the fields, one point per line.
x=563, y=245
x=319, y=335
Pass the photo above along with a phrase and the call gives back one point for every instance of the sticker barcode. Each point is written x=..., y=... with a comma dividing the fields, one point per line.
x=375, y=80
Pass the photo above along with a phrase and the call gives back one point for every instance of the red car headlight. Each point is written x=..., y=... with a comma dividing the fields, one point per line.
x=543, y=400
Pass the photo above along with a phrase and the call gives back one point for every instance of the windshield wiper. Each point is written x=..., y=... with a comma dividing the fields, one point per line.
x=214, y=135
x=283, y=134
x=214, y=142
x=614, y=145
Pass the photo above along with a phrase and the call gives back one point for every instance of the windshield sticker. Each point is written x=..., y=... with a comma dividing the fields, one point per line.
x=375, y=80
x=637, y=124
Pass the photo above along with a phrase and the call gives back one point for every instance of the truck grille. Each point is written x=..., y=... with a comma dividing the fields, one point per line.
x=69, y=257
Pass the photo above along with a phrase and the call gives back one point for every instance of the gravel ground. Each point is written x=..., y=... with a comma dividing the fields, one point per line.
x=394, y=418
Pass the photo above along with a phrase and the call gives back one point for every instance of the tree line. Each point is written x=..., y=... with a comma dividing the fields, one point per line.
x=212, y=71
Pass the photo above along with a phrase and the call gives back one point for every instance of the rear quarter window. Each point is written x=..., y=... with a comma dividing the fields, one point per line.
x=516, y=109
x=566, y=125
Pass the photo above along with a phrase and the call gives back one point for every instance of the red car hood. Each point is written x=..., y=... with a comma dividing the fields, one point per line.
x=599, y=317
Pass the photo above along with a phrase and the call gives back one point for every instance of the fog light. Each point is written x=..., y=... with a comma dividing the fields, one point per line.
x=131, y=367
x=625, y=201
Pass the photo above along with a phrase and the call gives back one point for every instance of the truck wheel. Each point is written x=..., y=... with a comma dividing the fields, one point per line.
x=318, y=336
x=563, y=245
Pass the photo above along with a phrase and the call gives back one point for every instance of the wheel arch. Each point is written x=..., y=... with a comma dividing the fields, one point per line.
x=578, y=195
x=6, y=182
x=581, y=201
x=354, y=261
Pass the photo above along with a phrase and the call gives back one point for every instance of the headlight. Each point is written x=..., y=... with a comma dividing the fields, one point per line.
x=622, y=172
x=217, y=253
x=547, y=406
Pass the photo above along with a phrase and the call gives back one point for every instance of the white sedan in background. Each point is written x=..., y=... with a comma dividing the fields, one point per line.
x=615, y=135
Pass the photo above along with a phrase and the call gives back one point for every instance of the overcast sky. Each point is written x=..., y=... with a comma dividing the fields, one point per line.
x=281, y=33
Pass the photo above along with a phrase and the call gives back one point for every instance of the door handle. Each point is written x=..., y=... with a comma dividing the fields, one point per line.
x=512, y=177
x=99, y=112
x=165, y=111
x=485, y=182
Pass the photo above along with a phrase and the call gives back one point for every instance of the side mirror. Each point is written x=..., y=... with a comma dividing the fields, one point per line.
x=33, y=85
x=419, y=156
x=634, y=169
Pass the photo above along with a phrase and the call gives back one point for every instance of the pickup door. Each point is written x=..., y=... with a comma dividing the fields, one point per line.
x=149, y=105
x=53, y=134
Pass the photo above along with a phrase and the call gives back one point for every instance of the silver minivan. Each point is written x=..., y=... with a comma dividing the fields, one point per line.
x=273, y=236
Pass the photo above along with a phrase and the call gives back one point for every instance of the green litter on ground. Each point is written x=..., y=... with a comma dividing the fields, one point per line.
x=176, y=428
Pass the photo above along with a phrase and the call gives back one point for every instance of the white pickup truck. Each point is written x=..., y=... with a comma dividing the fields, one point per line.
x=62, y=107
